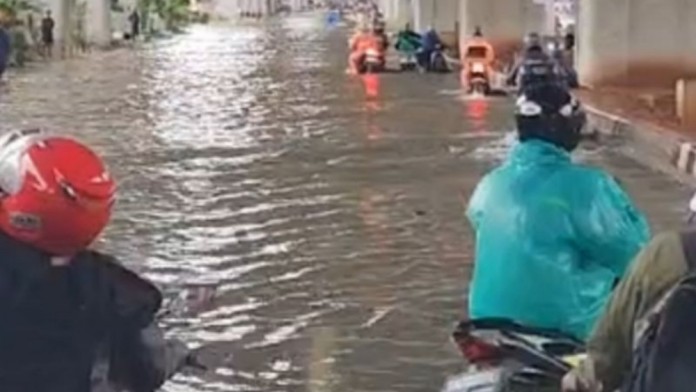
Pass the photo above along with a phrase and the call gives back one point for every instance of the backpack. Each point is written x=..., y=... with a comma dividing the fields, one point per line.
x=537, y=70
x=664, y=357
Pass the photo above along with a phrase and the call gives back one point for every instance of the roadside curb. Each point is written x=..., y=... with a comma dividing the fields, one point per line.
x=657, y=147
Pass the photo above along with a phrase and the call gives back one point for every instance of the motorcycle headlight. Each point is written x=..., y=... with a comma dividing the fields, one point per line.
x=478, y=68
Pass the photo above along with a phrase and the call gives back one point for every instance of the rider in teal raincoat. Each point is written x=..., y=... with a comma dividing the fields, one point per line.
x=552, y=236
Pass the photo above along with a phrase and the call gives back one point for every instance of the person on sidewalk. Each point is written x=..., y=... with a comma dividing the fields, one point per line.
x=134, y=19
x=622, y=346
x=569, y=40
x=552, y=236
x=64, y=306
x=47, y=39
x=5, y=50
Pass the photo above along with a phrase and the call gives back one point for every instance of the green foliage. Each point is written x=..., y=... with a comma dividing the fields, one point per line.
x=13, y=7
x=174, y=13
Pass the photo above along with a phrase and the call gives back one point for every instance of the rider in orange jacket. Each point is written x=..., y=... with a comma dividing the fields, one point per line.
x=362, y=41
x=477, y=50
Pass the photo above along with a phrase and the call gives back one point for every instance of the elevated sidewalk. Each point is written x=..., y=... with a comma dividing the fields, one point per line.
x=646, y=122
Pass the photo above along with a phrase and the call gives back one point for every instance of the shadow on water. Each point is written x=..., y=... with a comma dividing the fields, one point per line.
x=327, y=210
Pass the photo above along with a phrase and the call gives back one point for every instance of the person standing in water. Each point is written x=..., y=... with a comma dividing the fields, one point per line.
x=47, y=27
x=134, y=20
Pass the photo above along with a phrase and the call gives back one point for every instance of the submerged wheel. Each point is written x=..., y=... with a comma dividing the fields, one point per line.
x=479, y=88
x=439, y=64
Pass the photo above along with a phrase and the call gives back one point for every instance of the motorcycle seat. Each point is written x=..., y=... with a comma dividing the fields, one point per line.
x=542, y=348
x=556, y=341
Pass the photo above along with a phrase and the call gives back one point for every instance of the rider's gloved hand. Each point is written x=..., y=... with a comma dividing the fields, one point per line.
x=581, y=379
x=572, y=382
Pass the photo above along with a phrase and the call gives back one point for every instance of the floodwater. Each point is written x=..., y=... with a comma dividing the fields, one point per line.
x=326, y=210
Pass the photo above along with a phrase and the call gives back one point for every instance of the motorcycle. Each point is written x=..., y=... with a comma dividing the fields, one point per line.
x=478, y=78
x=438, y=63
x=373, y=61
x=116, y=366
x=503, y=356
x=407, y=61
x=408, y=46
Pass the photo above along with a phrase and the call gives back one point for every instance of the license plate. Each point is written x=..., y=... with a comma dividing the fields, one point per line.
x=480, y=381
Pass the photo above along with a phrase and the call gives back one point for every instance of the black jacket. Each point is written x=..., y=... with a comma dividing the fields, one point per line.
x=56, y=320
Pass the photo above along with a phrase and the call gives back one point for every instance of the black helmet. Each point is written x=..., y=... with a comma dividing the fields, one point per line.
x=548, y=112
x=533, y=43
x=532, y=39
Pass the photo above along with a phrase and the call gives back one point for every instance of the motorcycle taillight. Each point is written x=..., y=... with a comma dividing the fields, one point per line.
x=476, y=350
x=478, y=68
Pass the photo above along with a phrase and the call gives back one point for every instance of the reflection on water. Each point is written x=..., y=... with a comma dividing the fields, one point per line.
x=325, y=209
x=477, y=113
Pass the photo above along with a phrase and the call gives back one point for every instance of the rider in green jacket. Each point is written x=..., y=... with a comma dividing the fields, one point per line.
x=408, y=41
x=552, y=236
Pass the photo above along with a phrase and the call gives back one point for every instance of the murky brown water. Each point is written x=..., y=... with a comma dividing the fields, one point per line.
x=326, y=209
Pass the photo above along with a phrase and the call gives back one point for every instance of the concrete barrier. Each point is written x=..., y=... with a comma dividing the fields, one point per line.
x=662, y=149
x=686, y=102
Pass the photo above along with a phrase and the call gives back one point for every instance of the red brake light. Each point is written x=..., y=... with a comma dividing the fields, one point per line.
x=475, y=350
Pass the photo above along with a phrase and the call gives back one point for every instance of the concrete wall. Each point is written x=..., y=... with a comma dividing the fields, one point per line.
x=442, y=15
x=403, y=12
x=504, y=22
x=61, y=11
x=549, y=16
x=537, y=19
x=446, y=15
x=228, y=9
x=397, y=12
x=423, y=14
x=98, y=22
x=636, y=42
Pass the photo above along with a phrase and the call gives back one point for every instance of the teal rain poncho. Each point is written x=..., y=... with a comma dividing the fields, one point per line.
x=552, y=237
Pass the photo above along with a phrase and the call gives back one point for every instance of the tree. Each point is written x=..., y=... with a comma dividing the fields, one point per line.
x=174, y=13
x=9, y=9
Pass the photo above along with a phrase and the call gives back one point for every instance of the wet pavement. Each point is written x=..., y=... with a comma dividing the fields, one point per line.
x=327, y=210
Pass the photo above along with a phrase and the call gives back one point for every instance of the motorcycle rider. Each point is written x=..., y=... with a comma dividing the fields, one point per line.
x=477, y=49
x=430, y=43
x=664, y=262
x=378, y=30
x=478, y=41
x=567, y=74
x=407, y=40
x=67, y=309
x=358, y=44
x=552, y=236
x=535, y=66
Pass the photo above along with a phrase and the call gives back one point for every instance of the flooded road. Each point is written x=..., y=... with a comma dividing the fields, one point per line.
x=327, y=210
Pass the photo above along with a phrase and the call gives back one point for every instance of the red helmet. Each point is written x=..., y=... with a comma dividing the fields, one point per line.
x=55, y=193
